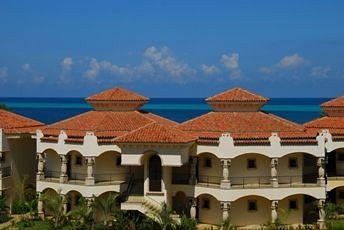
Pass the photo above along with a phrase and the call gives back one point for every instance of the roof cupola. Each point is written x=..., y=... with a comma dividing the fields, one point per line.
x=117, y=99
x=236, y=100
x=334, y=108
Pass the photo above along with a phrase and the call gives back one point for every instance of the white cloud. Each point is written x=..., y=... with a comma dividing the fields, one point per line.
x=231, y=62
x=38, y=79
x=321, y=72
x=3, y=73
x=67, y=63
x=291, y=61
x=26, y=67
x=163, y=59
x=209, y=69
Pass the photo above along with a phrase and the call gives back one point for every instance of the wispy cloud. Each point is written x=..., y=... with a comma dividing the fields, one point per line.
x=66, y=67
x=321, y=72
x=3, y=73
x=26, y=67
x=231, y=62
x=209, y=69
x=289, y=62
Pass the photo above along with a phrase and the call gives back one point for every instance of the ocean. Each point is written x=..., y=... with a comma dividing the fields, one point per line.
x=50, y=110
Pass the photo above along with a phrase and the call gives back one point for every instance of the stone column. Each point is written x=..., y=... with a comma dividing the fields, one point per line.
x=321, y=220
x=40, y=168
x=65, y=203
x=63, y=176
x=274, y=179
x=274, y=215
x=40, y=206
x=145, y=178
x=89, y=203
x=321, y=171
x=225, y=206
x=193, y=169
x=225, y=182
x=89, y=180
x=1, y=165
x=193, y=208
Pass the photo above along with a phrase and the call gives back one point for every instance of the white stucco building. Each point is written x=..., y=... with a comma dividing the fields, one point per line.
x=235, y=161
x=17, y=152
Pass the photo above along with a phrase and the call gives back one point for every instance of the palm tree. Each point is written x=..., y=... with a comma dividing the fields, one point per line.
x=164, y=217
x=54, y=204
x=106, y=208
x=82, y=214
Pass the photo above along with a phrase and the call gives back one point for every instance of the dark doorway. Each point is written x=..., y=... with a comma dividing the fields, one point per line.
x=331, y=164
x=155, y=174
x=69, y=165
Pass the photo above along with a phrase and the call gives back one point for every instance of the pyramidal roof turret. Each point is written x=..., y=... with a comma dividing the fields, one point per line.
x=236, y=100
x=117, y=99
x=334, y=108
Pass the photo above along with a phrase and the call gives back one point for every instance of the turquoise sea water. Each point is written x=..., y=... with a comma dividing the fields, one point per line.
x=49, y=110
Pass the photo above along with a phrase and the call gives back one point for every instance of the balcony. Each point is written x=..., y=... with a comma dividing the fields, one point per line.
x=79, y=178
x=295, y=181
x=6, y=171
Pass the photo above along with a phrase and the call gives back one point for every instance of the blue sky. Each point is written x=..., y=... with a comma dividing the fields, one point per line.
x=172, y=48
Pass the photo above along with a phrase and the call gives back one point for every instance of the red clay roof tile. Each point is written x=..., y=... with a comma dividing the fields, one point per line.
x=117, y=94
x=337, y=102
x=237, y=95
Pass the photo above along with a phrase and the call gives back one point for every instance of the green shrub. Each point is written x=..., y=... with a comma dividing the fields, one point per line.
x=19, y=207
x=187, y=224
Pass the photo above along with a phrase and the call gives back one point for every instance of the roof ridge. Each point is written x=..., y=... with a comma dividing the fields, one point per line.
x=233, y=90
x=192, y=119
x=134, y=130
x=70, y=118
x=314, y=120
x=22, y=117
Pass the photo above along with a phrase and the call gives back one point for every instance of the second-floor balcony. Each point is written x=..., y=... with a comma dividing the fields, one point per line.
x=81, y=178
x=247, y=181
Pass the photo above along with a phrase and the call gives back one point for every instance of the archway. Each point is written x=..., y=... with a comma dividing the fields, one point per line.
x=180, y=204
x=73, y=199
x=108, y=168
x=209, y=169
x=250, y=210
x=335, y=163
x=76, y=167
x=48, y=194
x=155, y=173
x=336, y=195
x=208, y=209
x=52, y=164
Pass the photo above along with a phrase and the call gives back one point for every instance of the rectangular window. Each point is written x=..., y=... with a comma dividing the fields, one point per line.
x=292, y=204
x=251, y=164
x=341, y=157
x=207, y=163
x=252, y=205
x=3, y=158
x=293, y=162
x=78, y=160
x=206, y=204
x=118, y=161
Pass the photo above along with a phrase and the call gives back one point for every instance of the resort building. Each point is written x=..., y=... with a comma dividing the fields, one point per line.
x=333, y=122
x=17, y=152
x=235, y=161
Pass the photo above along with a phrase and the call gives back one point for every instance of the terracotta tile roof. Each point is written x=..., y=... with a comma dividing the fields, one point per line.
x=337, y=102
x=13, y=123
x=237, y=95
x=117, y=94
x=244, y=125
x=105, y=124
x=156, y=133
x=334, y=124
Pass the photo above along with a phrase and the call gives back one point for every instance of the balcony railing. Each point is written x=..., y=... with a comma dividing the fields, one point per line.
x=209, y=180
x=335, y=177
x=250, y=182
x=79, y=178
x=6, y=171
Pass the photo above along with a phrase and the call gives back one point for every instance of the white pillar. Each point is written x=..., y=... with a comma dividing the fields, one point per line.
x=193, y=168
x=321, y=171
x=321, y=220
x=145, y=178
x=274, y=215
x=225, y=182
x=225, y=206
x=274, y=179
x=63, y=176
x=193, y=208
x=40, y=205
x=1, y=165
x=40, y=166
x=89, y=180
x=65, y=203
x=89, y=203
